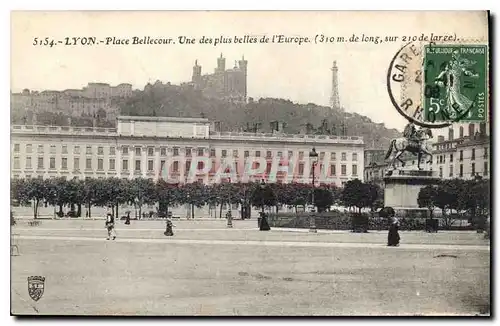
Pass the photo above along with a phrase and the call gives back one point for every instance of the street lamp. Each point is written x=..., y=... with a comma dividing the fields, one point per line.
x=229, y=213
x=312, y=222
x=188, y=210
x=136, y=203
x=229, y=196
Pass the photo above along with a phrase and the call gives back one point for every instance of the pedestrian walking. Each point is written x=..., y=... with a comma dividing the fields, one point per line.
x=393, y=236
x=264, y=225
x=110, y=226
x=229, y=217
x=169, y=232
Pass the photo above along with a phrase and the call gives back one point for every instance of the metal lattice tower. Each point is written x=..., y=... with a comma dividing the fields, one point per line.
x=334, y=99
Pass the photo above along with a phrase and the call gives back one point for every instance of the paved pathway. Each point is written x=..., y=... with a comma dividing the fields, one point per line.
x=267, y=243
x=208, y=269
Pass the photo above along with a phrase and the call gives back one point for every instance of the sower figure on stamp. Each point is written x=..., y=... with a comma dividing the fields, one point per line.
x=110, y=226
x=450, y=79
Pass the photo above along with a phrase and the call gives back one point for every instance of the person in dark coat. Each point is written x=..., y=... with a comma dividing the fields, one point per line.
x=393, y=235
x=169, y=231
x=264, y=225
x=127, y=219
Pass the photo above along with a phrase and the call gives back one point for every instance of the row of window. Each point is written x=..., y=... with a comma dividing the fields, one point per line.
x=163, y=152
x=442, y=158
x=461, y=170
x=150, y=165
x=64, y=149
x=472, y=131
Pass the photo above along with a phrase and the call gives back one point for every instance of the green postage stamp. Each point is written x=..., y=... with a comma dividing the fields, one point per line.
x=455, y=83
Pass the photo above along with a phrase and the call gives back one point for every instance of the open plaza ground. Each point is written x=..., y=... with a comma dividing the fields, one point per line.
x=207, y=269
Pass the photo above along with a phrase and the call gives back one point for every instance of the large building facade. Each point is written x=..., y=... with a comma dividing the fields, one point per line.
x=74, y=102
x=182, y=150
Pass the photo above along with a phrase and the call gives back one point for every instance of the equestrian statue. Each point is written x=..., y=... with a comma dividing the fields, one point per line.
x=414, y=141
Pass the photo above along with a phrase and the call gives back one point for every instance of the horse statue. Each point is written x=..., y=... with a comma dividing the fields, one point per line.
x=417, y=145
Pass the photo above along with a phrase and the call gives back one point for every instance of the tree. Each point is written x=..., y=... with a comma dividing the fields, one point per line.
x=57, y=194
x=31, y=191
x=358, y=194
x=76, y=195
x=118, y=192
x=482, y=193
x=263, y=195
x=323, y=198
x=168, y=195
x=374, y=197
x=194, y=194
x=143, y=191
x=245, y=197
x=91, y=193
x=280, y=193
x=218, y=194
x=427, y=198
x=476, y=199
x=295, y=194
x=446, y=199
x=16, y=190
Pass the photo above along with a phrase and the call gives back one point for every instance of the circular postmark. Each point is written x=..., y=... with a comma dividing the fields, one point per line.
x=434, y=85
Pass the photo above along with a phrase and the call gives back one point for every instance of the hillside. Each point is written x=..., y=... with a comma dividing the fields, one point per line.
x=182, y=101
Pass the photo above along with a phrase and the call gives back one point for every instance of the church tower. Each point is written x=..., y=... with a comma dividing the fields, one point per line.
x=334, y=99
x=221, y=64
x=196, y=73
x=243, y=64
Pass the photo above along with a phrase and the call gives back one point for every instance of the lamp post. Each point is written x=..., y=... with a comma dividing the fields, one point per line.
x=263, y=225
x=136, y=203
x=312, y=221
x=188, y=210
x=229, y=213
x=229, y=196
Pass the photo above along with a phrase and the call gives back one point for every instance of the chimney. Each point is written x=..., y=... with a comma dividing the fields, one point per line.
x=217, y=126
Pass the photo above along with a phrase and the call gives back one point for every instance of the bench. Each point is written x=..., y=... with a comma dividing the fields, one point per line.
x=34, y=223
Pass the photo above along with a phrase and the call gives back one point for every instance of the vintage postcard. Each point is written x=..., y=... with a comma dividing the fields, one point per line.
x=259, y=163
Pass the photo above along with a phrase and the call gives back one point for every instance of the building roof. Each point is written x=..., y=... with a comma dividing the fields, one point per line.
x=98, y=84
x=169, y=119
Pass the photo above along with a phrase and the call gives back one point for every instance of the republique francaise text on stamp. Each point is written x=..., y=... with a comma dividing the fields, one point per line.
x=455, y=83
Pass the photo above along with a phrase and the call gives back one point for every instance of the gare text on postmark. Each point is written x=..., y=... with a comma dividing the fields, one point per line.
x=455, y=83
x=404, y=84
x=426, y=86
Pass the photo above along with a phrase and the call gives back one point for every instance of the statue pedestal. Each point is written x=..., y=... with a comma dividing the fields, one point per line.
x=402, y=188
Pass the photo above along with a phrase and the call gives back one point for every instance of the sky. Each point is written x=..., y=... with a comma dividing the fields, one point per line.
x=300, y=73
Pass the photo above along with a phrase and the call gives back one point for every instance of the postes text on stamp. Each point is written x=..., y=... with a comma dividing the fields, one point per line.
x=455, y=83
